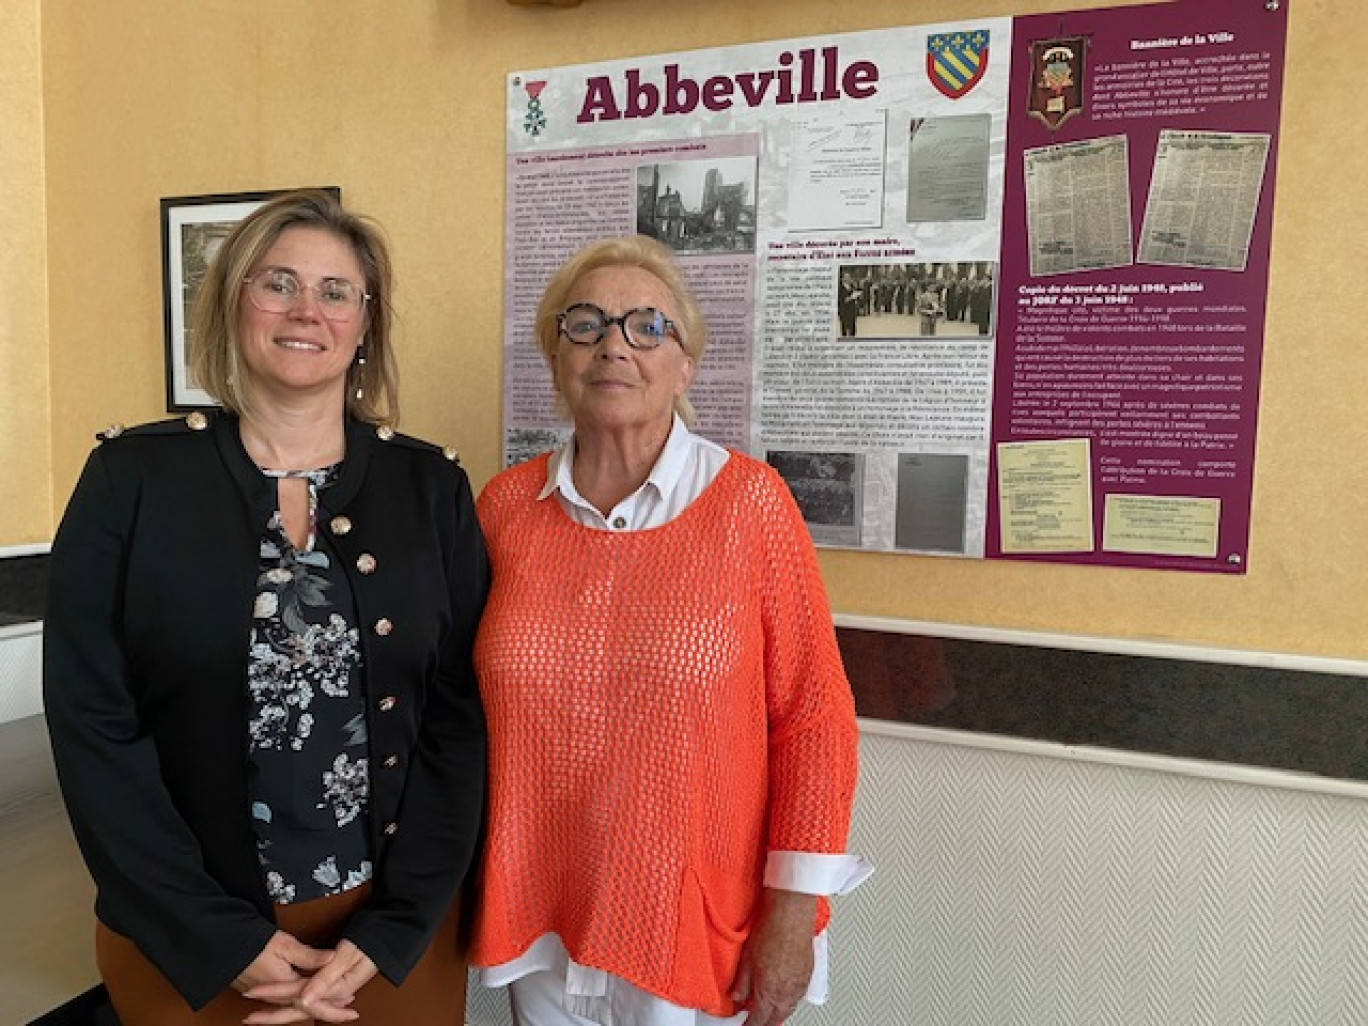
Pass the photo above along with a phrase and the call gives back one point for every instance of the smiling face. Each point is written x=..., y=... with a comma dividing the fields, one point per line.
x=300, y=353
x=611, y=387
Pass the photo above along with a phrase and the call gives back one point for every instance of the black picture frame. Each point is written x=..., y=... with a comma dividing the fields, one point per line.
x=192, y=228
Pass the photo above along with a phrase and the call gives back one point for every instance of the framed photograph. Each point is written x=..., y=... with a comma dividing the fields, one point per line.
x=192, y=230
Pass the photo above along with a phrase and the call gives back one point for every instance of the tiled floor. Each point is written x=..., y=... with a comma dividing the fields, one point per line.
x=46, y=918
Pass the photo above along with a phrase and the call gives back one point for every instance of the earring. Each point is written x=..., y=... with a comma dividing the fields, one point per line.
x=360, y=371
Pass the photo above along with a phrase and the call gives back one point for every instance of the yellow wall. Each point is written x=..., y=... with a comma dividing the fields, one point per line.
x=25, y=449
x=402, y=105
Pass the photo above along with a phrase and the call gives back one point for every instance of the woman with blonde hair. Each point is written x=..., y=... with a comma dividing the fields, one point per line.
x=257, y=664
x=672, y=737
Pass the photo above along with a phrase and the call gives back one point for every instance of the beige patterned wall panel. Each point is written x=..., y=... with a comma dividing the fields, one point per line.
x=21, y=671
x=1033, y=890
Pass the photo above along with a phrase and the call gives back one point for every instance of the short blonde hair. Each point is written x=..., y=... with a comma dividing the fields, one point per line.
x=628, y=251
x=215, y=354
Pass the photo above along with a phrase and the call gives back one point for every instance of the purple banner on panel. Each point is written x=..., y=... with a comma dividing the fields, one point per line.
x=1141, y=147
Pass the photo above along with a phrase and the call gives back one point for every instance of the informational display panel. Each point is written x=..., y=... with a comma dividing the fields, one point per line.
x=982, y=289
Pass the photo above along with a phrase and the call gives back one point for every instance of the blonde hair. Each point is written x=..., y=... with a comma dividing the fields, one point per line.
x=628, y=251
x=215, y=354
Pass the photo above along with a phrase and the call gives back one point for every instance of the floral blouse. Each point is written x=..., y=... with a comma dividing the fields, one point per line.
x=307, y=754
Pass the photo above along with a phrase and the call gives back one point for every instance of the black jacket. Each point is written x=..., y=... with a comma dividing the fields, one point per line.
x=153, y=578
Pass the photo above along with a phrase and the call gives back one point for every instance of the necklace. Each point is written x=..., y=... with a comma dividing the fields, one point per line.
x=319, y=458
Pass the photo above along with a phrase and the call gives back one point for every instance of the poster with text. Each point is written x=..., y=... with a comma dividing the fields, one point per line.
x=1140, y=184
x=991, y=288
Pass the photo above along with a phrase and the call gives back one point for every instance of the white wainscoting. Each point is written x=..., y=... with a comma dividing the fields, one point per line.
x=21, y=653
x=1029, y=884
x=21, y=668
x=1024, y=883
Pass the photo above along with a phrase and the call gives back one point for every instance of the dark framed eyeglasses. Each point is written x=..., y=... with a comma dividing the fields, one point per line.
x=277, y=291
x=584, y=324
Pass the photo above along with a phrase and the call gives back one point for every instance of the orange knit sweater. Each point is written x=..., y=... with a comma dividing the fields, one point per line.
x=665, y=707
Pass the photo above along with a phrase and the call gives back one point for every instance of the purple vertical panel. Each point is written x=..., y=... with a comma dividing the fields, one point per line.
x=1154, y=355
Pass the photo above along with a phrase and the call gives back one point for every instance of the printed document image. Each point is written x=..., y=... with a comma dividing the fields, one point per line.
x=932, y=501
x=1167, y=525
x=836, y=177
x=1203, y=196
x=1045, y=495
x=1078, y=206
x=947, y=177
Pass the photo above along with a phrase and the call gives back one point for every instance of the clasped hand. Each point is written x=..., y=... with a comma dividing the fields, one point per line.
x=303, y=983
x=777, y=961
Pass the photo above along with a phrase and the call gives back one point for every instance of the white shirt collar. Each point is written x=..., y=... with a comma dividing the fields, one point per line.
x=664, y=476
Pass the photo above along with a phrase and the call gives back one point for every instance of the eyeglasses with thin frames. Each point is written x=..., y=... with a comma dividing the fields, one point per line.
x=278, y=291
x=584, y=324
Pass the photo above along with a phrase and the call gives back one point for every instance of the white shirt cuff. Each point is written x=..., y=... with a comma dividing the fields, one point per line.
x=815, y=872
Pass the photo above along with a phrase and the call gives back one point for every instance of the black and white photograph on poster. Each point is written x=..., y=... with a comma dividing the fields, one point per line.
x=699, y=206
x=192, y=230
x=829, y=489
x=924, y=300
x=932, y=501
x=523, y=443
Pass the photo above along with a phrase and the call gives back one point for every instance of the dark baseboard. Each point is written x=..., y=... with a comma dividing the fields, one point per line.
x=23, y=588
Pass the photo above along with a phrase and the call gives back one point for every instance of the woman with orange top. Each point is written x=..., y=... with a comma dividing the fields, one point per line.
x=672, y=736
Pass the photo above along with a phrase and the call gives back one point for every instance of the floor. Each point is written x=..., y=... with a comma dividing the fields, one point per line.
x=47, y=920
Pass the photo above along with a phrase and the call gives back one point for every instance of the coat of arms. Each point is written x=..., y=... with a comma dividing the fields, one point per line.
x=956, y=61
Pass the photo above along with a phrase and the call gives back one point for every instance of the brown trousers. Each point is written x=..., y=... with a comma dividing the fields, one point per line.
x=433, y=994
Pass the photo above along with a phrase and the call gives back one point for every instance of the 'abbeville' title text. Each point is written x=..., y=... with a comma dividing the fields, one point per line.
x=808, y=76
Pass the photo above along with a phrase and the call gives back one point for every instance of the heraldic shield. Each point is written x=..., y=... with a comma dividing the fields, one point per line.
x=956, y=61
x=1057, y=79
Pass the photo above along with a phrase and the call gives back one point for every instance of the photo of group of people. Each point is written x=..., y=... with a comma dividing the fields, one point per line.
x=915, y=300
